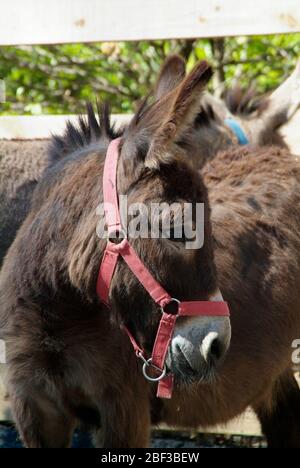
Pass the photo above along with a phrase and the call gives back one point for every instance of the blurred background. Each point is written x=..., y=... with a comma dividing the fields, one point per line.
x=59, y=79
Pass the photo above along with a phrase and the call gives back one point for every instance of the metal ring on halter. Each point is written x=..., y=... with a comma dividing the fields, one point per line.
x=173, y=299
x=116, y=236
x=153, y=379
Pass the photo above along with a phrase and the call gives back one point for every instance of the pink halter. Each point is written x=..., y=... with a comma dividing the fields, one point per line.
x=156, y=291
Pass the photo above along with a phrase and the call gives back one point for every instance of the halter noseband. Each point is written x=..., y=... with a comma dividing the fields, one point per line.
x=155, y=290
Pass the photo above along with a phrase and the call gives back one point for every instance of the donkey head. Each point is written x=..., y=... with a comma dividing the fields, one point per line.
x=155, y=170
x=260, y=118
x=263, y=118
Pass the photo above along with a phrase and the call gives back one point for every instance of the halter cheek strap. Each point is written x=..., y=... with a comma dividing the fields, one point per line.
x=107, y=268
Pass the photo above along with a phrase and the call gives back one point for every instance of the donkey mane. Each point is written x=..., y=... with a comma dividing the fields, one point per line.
x=206, y=115
x=243, y=103
x=97, y=127
x=88, y=131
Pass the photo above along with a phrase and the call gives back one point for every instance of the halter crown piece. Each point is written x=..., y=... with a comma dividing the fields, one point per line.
x=156, y=291
x=237, y=130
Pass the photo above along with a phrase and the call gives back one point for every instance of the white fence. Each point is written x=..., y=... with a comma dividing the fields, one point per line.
x=60, y=21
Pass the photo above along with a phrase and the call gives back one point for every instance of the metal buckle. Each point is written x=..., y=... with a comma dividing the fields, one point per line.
x=117, y=236
x=173, y=299
x=148, y=363
x=163, y=372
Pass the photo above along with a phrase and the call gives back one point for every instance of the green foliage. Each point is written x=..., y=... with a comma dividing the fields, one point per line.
x=265, y=60
x=59, y=79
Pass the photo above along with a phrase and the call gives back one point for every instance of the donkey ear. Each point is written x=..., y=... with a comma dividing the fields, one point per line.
x=183, y=107
x=171, y=75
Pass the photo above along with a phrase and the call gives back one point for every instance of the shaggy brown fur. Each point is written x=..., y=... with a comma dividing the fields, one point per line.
x=65, y=351
x=21, y=166
x=256, y=224
x=62, y=346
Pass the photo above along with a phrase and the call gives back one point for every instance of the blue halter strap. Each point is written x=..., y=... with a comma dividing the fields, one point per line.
x=238, y=131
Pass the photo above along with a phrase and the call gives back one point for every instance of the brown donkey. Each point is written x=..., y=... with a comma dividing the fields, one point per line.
x=254, y=195
x=255, y=200
x=68, y=358
x=259, y=119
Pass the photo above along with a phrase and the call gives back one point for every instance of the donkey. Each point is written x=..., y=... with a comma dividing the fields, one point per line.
x=254, y=195
x=68, y=357
x=21, y=166
x=256, y=120
x=255, y=222
x=261, y=118
x=22, y=163
x=255, y=225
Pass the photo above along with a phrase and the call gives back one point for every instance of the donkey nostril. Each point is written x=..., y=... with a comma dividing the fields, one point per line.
x=211, y=348
x=216, y=350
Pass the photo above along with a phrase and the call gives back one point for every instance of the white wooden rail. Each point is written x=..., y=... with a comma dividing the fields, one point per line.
x=62, y=21
x=40, y=127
